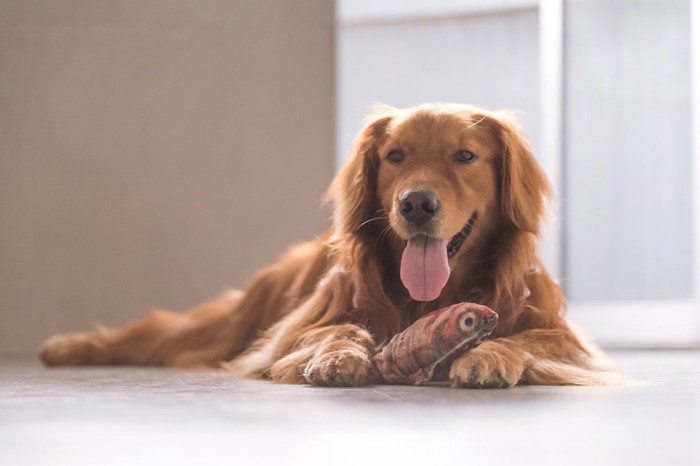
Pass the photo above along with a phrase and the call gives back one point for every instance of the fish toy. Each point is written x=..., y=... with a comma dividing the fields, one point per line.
x=431, y=343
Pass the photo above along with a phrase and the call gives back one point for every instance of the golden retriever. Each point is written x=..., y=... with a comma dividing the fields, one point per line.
x=437, y=204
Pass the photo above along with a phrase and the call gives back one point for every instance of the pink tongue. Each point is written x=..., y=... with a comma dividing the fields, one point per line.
x=424, y=267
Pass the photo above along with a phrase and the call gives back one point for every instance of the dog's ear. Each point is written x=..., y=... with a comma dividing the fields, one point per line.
x=525, y=190
x=354, y=190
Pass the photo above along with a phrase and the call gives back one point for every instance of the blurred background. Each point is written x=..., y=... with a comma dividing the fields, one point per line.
x=156, y=152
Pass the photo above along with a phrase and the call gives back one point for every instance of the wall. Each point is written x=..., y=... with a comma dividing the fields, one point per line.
x=154, y=152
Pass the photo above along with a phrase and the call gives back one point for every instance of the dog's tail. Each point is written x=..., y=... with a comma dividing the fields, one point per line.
x=548, y=372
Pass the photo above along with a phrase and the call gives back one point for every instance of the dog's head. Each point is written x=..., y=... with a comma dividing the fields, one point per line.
x=437, y=174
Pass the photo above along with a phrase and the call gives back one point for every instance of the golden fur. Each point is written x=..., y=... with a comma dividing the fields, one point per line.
x=319, y=313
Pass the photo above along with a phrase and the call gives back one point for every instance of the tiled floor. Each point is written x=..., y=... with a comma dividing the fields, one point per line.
x=131, y=416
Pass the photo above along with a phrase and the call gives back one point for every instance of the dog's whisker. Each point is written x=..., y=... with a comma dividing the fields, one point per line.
x=388, y=230
x=385, y=232
x=371, y=220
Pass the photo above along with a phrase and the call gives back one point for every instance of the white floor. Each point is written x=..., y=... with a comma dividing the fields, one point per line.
x=132, y=416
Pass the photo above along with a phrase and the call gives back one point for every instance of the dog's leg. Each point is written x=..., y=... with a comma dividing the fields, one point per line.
x=190, y=339
x=309, y=346
x=338, y=355
x=333, y=355
x=538, y=357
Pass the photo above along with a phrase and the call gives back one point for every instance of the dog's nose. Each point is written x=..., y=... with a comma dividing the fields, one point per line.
x=419, y=206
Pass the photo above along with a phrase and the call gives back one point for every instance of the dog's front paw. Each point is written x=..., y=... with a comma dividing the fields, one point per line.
x=491, y=365
x=347, y=367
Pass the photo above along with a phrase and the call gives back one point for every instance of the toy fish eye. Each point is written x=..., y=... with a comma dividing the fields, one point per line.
x=467, y=323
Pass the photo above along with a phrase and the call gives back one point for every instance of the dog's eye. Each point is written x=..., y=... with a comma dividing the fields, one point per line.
x=464, y=156
x=395, y=156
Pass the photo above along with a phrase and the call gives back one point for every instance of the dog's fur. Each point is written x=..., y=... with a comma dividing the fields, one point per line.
x=318, y=314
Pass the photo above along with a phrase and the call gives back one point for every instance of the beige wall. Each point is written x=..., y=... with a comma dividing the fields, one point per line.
x=154, y=152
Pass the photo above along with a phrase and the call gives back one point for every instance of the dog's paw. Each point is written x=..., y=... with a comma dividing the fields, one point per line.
x=66, y=349
x=490, y=365
x=347, y=367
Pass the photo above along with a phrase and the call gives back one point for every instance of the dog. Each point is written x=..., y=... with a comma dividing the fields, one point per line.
x=437, y=204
